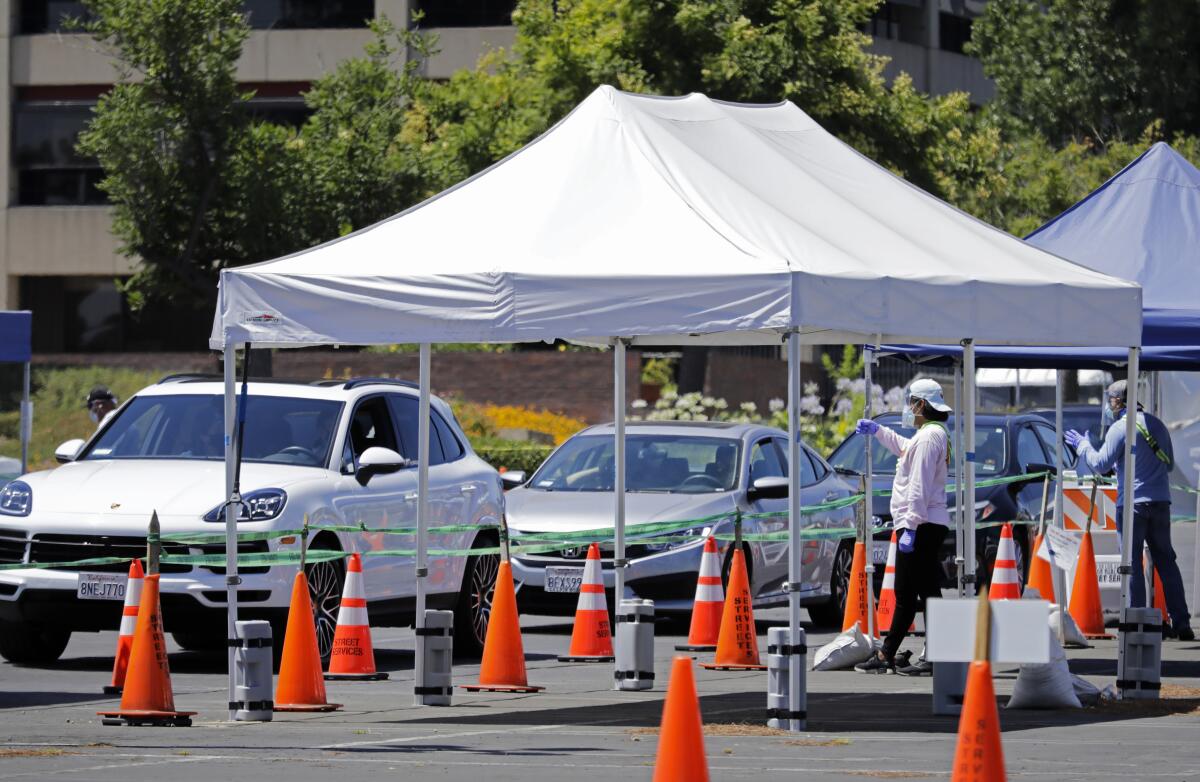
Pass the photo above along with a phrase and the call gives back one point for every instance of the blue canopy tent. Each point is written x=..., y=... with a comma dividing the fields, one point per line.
x=1143, y=224
x=16, y=347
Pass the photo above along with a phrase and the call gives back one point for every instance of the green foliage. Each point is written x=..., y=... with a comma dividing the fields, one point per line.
x=1101, y=69
x=507, y=456
x=659, y=371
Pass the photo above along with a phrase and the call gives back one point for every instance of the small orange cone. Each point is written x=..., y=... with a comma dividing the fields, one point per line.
x=591, y=639
x=737, y=645
x=1085, y=606
x=681, y=736
x=1006, y=581
x=147, y=698
x=129, y=615
x=1041, y=577
x=503, y=666
x=709, y=603
x=856, y=597
x=301, y=686
x=353, y=656
x=979, y=756
x=887, y=593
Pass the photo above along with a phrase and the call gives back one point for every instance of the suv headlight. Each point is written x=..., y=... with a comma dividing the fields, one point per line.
x=677, y=539
x=16, y=499
x=261, y=505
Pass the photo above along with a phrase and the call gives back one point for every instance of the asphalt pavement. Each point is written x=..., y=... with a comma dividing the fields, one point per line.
x=579, y=728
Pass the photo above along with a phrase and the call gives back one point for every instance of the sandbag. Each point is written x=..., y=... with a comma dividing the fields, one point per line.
x=846, y=650
x=1087, y=693
x=1071, y=636
x=1046, y=685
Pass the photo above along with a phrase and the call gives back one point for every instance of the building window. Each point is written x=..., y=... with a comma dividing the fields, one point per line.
x=74, y=314
x=953, y=32
x=50, y=172
x=899, y=20
x=466, y=13
x=309, y=14
x=49, y=16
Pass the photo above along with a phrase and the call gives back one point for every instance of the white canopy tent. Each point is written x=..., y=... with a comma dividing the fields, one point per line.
x=642, y=220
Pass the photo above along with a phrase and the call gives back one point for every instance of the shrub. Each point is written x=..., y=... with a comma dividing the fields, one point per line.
x=527, y=457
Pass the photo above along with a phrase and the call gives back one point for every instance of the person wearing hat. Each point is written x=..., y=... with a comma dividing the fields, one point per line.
x=1151, y=500
x=101, y=403
x=919, y=516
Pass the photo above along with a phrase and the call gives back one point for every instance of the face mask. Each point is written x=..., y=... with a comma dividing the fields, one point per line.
x=908, y=418
x=92, y=414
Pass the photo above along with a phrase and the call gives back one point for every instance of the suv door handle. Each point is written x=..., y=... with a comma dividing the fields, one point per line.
x=412, y=495
x=467, y=489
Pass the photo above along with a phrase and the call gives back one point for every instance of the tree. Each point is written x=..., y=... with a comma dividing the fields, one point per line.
x=1100, y=69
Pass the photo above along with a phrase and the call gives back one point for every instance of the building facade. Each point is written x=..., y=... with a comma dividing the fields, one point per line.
x=57, y=255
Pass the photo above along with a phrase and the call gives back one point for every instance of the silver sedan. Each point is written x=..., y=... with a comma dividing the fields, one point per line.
x=688, y=479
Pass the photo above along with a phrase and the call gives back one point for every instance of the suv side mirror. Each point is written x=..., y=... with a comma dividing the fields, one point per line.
x=379, y=461
x=512, y=479
x=772, y=488
x=68, y=451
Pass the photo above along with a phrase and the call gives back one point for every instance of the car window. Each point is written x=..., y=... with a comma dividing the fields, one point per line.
x=452, y=449
x=1046, y=434
x=851, y=454
x=687, y=464
x=811, y=470
x=407, y=409
x=1029, y=448
x=281, y=430
x=370, y=427
x=765, y=461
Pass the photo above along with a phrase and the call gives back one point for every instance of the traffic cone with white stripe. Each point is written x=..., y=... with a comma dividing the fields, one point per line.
x=887, y=593
x=591, y=640
x=353, y=657
x=1006, y=581
x=129, y=614
x=709, y=603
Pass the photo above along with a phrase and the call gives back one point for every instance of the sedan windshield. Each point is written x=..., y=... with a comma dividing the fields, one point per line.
x=282, y=430
x=653, y=463
x=851, y=455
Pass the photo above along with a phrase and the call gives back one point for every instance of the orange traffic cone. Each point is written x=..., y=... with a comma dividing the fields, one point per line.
x=147, y=697
x=353, y=656
x=681, y=736
x=1006, y=581
x=1085, y=606
x=591, y=639
x=709, y=603
x=979, y=756
x=1160, y=598
x=1041, y=577
x=129, y=615
x=737, y=645
x=856, y=597
x=887, y=593
x=503, y=666
x=301, y=686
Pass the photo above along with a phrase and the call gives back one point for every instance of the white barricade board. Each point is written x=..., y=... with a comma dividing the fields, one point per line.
x=1019, y=631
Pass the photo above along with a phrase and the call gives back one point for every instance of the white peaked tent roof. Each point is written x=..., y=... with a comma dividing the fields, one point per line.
x=674, y=220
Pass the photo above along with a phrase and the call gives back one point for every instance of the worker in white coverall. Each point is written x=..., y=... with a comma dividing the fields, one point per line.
x=919, y=516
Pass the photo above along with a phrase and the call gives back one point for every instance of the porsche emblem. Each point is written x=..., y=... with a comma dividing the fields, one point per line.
x=114, y=506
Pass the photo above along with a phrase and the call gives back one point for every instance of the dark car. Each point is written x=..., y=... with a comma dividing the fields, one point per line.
x=1080, y=417
x=1005, y=446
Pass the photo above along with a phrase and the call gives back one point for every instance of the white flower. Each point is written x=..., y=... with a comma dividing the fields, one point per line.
x=843, y=407
x=748, y=407
x=859, y=386
x=638, y=404
x=842, y=383
x=708, y=401
x=720, y=404
x=669, y=395
x=810, y=388
x=775, y=405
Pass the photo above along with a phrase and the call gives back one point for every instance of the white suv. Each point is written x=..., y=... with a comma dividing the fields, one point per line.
x=163, y=451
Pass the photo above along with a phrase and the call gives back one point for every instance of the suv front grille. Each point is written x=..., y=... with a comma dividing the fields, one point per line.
x=69, y=548
x=244, y=547
x=12, y=546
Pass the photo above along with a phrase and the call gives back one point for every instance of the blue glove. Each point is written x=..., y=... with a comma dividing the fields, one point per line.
x=866, y=426
x=1074, y=438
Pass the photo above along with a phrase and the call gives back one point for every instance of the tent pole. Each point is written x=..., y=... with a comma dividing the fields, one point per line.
x=969, y=460
x=959, y=470
x=868, y=504
x=1196, y=554
x=231, y=514
x=1127, y=489
x=795, y=521
x=422, y=508
x=1058, y=576
x=26, y=420
x=619, y=468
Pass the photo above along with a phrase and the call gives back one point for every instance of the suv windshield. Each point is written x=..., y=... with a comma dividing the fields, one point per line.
x=653, y=463
x=281, y=430
x=989, y=450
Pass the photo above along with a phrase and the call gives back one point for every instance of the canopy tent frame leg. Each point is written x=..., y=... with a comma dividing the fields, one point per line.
x=231, y=513
x=618, y=479
x=1127, y=489
x=959, y=470
x=422, y=563
x=868, y=505
x=26, y=419
x=795, y=522
x=1057, y=575
x=970, y=576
